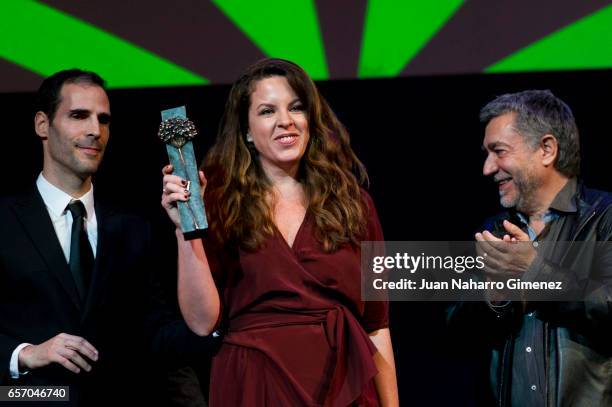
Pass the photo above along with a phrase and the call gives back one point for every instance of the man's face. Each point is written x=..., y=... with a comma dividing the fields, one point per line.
x=512, y=163
x=75, y=140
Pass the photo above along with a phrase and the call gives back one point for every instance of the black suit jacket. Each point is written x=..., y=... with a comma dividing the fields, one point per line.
x=38, y=300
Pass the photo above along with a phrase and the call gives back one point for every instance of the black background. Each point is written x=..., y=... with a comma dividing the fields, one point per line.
x=420, y=140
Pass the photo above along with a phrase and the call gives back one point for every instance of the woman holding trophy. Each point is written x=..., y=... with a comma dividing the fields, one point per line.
x=278, y=271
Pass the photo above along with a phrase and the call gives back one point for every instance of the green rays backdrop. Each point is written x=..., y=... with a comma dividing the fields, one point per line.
x=138, y=44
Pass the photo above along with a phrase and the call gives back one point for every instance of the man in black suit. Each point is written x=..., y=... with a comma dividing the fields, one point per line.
x=72, y=271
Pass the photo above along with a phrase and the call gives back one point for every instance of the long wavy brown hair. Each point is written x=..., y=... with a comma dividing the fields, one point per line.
x=329, y=171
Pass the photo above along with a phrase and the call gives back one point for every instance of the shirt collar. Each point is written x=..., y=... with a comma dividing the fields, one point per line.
x=565, y=201
x=56, y=200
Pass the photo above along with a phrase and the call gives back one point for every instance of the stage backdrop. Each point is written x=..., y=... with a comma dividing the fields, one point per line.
x=140, y=43
x=420, y=139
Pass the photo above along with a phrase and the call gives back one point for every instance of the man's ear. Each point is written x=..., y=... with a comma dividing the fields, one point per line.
x=550, y=149
x=41, y=125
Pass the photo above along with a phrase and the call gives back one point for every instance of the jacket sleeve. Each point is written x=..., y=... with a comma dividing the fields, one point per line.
x=591, y=312
x=588, y=306
x=7, y=346
x=479, y=323
x=8, y=342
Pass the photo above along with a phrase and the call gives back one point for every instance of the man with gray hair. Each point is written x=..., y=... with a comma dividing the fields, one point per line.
x=543, y=353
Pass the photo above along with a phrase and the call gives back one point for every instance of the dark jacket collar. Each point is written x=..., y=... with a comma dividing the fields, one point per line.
x=33, y=215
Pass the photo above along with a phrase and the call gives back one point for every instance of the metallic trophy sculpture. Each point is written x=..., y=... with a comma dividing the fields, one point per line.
x=176, y=131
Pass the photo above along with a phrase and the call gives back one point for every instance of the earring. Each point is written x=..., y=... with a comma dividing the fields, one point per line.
x=249, y=138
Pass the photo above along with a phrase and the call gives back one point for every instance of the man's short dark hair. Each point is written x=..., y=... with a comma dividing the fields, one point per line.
x=539, y=112
x=48, y=96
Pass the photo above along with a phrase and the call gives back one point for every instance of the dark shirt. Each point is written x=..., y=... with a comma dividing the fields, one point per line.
x=529, y=352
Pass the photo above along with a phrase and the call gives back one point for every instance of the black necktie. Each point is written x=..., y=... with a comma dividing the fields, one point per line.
x=81, y=256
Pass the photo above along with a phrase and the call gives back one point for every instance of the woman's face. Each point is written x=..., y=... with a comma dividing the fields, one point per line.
x=278, y=125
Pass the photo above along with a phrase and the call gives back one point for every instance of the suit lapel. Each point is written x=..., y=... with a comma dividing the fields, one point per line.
x=33, y=215
x=109, y=232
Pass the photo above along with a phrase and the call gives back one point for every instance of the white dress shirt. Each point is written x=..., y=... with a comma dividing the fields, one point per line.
x=56, y=202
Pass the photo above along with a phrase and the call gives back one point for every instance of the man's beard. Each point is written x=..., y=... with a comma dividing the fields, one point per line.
x=526, y=186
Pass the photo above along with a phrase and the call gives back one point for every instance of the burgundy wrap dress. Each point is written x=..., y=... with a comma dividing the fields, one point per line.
x=297, y=330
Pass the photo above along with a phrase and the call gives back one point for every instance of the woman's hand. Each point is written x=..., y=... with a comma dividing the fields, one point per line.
x=198, y=297
x=176, y=189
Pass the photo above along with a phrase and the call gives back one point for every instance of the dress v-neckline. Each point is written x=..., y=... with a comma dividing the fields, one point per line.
x=291, y=247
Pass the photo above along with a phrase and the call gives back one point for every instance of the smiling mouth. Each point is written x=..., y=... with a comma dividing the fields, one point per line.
x=503, y=185
x=286, y=138
x=500, y=178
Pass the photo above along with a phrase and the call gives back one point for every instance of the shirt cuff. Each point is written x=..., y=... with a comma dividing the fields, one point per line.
x=14, y=364
x=499, y=308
